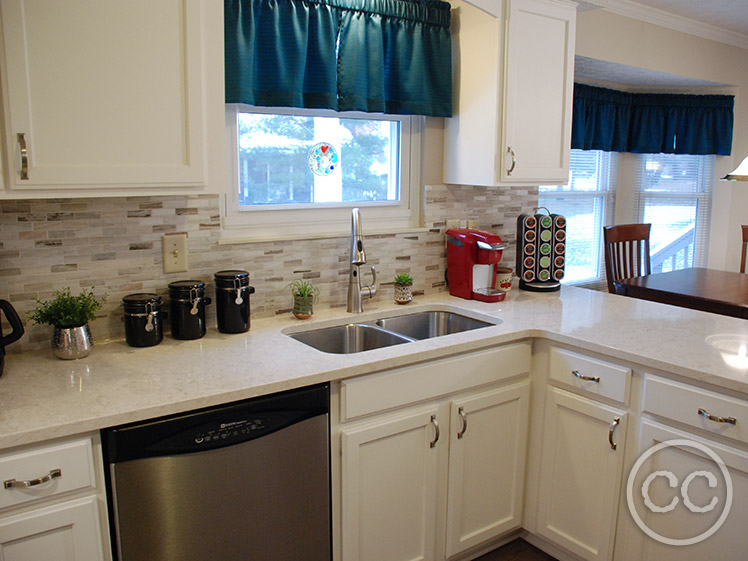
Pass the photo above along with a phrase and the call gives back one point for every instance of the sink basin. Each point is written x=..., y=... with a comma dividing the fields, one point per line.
x=424, y=325
x=384, y=332
x=350, y=338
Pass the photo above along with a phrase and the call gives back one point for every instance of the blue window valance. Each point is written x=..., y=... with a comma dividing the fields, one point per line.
x=380, y=56
x=615, y=121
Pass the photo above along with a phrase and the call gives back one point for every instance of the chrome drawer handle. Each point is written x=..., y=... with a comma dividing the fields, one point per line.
x=13, y=484
x=24, y=156
x=595, y=379
x=514, y=160
x=611, y=430
x=707, y=415
x=436, y=431
x=461, y=412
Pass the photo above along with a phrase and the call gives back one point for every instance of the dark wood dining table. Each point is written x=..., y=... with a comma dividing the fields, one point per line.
x=709, y=290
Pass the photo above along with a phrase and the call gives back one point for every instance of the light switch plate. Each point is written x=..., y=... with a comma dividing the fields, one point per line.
x=174, y=248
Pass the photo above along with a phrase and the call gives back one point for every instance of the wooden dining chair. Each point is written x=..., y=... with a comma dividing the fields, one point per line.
x=626, y=252
x=745, y=248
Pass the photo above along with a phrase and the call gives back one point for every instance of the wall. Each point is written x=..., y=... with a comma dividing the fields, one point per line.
x=115, y=245
x=614, y=38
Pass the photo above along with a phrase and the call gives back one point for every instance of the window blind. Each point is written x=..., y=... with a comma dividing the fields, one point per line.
x=587, y=202
x=674, y=195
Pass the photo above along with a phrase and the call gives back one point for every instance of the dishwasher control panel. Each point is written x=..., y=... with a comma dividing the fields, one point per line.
x=232, y=430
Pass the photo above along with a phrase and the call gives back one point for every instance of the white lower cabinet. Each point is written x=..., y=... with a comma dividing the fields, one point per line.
x=389, y=484
x=52, y=503
x=688, y=494
x=580, y=473
x=487, y=450
x=66, y=532
x=441, y=475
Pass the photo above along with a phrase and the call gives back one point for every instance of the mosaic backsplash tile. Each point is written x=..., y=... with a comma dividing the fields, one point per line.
x=114, y=245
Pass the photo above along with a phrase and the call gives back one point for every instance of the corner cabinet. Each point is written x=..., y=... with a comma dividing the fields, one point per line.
x=582, y=453
x=429, y=460
x=100, y=97
x=514, y=69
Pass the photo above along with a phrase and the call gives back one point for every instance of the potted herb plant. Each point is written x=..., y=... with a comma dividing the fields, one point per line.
x=304, y=296
x=403, y=288
x=69, y=315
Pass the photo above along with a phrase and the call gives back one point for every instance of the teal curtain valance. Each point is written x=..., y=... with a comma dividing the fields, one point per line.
x=615, y=121
x=377, y=56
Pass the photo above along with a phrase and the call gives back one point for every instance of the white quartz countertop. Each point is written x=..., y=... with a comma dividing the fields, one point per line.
x=42, y=397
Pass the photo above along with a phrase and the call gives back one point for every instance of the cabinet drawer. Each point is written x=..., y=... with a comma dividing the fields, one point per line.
x=73, y=459
x=589, y=375
x=411, y=384
x=683, y=403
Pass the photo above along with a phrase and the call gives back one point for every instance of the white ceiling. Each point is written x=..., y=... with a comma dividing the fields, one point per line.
x=719, y=20
x=731, y=15
x=725, y=21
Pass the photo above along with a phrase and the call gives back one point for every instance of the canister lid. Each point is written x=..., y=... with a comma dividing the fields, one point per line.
x=137, y=302
x=184, y=287
x=233, y=278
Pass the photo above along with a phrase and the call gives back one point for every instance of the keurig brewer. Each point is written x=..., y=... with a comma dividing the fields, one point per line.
x=472, y=256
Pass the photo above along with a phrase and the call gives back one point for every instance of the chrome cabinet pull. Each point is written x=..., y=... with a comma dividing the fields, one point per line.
x=514, y=160
x=611, y=430
x=24, y=156
x=461, y=413
x=436, y=431
x=595, y=379
x=13, y=484
x=729, y=420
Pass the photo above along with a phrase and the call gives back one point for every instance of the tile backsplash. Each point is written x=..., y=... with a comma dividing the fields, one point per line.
x=114, y=245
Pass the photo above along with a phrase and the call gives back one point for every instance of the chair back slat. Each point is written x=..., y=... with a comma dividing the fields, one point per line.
x=626, y=252
x=745, y=249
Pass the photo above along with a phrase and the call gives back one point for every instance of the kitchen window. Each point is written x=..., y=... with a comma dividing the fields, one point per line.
x=674, y=195
x=297, y=173
x=587, y=202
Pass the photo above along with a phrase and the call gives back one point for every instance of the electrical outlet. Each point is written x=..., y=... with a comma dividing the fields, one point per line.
x=174, y=248
x=452, y=223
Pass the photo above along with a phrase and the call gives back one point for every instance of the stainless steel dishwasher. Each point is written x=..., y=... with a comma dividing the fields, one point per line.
x=247, y=481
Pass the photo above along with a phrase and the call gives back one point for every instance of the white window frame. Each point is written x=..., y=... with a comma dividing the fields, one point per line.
x=608, y=196
x=321, y=220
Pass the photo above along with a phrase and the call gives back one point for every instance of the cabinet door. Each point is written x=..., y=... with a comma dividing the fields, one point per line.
x=104, y=94
x=729, y=541
x=580, y=474
x=538, y=91
x=64, y=532
x=389, y=488
x=488, y=442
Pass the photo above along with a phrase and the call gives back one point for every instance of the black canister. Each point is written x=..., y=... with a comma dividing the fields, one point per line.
x=143, y=319
x=187, y=303
x=232, y=300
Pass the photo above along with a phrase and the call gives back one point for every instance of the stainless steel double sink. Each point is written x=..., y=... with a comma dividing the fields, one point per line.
x=387, y=331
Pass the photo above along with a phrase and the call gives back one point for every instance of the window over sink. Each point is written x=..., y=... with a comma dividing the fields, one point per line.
x=298, y=172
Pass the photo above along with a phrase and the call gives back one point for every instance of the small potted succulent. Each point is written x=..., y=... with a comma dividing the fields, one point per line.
x=69, y=315
x=304, y=296
x=403, y=288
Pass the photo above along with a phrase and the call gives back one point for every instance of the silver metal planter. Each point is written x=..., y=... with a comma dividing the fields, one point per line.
x=70, y=343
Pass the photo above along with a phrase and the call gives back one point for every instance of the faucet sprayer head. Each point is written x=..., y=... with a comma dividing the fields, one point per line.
x=358, y=255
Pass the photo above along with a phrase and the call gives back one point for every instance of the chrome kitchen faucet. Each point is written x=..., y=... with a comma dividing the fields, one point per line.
x=358, y=258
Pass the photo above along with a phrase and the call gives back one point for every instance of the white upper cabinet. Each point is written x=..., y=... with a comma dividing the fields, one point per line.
x=106, y=95
x=513, y=83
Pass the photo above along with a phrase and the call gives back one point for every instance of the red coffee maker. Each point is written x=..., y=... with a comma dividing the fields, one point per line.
x=472, y=256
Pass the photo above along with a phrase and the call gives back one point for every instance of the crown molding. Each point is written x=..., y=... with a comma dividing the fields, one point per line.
x=662, y=18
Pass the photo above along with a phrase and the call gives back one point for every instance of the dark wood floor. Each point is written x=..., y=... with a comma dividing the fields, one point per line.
x=518, y=550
